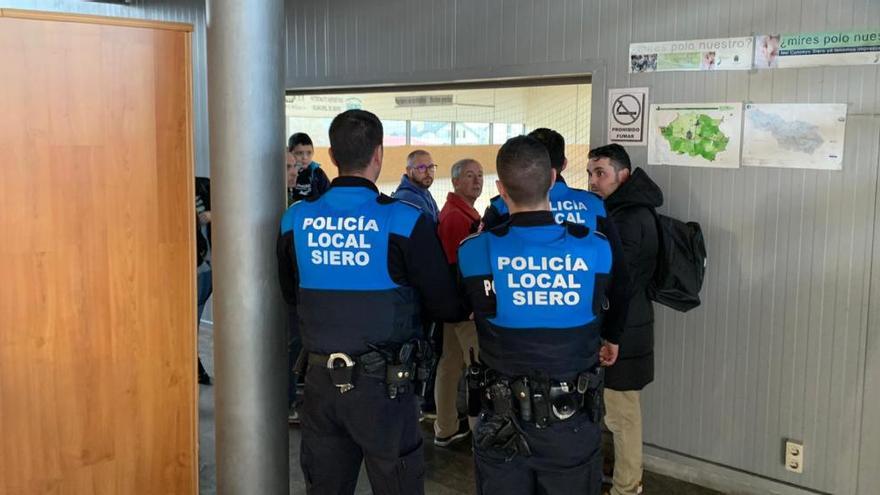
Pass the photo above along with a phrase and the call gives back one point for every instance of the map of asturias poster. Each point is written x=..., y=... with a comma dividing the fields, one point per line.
x=808, y=135
x=695, y=134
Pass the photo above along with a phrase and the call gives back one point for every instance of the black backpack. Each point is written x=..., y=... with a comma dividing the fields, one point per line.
x=681, y=264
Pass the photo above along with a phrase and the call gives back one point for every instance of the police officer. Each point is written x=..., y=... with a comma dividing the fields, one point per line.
x=548, y=309
x=362, y=267
x=567, y=203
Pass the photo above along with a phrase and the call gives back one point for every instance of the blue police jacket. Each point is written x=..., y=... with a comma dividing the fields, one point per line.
x=567, y=203
x=540, y=293
x=361, y=268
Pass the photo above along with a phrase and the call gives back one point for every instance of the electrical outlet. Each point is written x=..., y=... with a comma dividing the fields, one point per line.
x=794, y=456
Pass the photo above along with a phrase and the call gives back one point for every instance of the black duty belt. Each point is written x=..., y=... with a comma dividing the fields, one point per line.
x=398, y=365
x=541, y=400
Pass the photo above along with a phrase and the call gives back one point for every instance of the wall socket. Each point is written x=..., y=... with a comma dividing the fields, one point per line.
x=794, y=456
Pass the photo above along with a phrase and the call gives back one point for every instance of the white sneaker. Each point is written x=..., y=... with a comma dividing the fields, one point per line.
x=293, y=416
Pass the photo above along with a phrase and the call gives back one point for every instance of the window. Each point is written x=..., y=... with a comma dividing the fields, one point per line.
x=430, y=133
x=471, y=133
x=453, y=123
x=501, y=132
x=318, y=128
x=395, y=132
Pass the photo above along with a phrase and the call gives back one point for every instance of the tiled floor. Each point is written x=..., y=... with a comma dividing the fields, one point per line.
x=450, y=471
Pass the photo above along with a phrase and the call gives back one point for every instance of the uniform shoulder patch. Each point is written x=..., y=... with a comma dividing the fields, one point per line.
x=577, y=230
x=289, y=217
x=405, y=214
x=472, y=236
x=498, y=203
x=473, y=255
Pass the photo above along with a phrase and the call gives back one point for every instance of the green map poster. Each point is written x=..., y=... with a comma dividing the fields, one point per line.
x=695, y=134
x=817, y=49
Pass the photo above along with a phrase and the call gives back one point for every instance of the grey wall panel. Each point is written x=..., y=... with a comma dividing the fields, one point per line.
x=187, y=11
x=507, y=17
x=492, y=30
x=869, y=475
x=779, y=348
x=572, y=26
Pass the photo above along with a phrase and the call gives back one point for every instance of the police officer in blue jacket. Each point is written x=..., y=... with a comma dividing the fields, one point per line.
x=362, y=267
x=568, y=204
x=548, y=300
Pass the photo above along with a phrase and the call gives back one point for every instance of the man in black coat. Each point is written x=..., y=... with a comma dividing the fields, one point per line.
x=630, y=199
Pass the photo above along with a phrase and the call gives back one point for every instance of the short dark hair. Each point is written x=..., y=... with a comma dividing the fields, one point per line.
x=354, y=135
x=300, y=138
x=555, y=144
x=615, y=153
x=410, y=158
x=523, y=167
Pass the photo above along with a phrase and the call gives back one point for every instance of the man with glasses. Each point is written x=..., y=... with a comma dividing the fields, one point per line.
x=413, y=189
x=414, y=184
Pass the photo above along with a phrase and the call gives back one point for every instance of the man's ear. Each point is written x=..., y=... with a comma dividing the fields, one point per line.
x=553, y=177
x=332, y=158
x=376, y=161
x=501, y=191
x=623, y=175
x=378, y=155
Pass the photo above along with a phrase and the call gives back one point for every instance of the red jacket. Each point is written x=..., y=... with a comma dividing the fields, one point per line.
x=458, y=220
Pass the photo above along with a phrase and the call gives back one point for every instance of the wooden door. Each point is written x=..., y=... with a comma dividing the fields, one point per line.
x=97, y=275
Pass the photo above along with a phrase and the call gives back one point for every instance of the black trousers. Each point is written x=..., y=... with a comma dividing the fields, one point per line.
x=566, y=460
x=339, y=431
x=294, y=346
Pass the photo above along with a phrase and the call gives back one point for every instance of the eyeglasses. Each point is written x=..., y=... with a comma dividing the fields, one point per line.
x=425, y=167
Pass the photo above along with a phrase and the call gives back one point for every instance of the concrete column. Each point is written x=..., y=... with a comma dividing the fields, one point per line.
x=246, y=108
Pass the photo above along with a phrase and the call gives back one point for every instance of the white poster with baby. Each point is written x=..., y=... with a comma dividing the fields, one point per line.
x=782, y=51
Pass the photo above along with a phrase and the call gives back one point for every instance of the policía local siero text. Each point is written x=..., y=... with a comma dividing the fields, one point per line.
x=543, y=280
x=341, y=241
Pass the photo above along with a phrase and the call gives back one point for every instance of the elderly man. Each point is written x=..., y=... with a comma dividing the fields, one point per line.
x=458, y=219
x=414, y=184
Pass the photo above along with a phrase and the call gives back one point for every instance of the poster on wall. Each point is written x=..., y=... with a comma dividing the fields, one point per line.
x=808, y=135
x=320, y=105
x=817, y=49
x=627, y=116
x=692, y=55
x=695, y=134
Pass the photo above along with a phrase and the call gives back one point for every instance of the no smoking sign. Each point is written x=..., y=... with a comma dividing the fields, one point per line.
x=627, y=115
